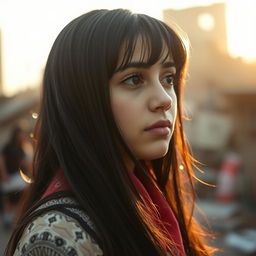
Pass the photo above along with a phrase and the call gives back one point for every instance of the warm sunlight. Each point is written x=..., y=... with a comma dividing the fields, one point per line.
x=241, y=23
x=28, y=29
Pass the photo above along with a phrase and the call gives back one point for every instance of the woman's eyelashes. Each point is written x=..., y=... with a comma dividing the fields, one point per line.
x=135, y=80
x=168, y=81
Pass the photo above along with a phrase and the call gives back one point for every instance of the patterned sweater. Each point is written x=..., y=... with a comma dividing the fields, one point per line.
x=56, y=233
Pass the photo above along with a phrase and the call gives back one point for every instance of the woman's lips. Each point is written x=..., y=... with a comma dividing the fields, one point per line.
x=160, y=128
x=161, y=131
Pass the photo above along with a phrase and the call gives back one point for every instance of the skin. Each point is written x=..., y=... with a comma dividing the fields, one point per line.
x=141, y=96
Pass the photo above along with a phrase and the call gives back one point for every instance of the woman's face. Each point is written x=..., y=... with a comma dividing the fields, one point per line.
x=144, y=104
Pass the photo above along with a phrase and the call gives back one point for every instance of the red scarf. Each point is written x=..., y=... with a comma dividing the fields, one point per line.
x=167, y=221
x=58, y=183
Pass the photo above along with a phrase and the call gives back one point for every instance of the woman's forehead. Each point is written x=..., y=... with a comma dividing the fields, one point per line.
x=142, y=51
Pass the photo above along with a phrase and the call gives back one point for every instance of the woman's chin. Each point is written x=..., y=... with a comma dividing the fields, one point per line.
x=153, y=154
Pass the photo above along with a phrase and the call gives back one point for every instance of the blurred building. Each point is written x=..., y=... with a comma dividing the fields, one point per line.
x=220, y=93
x=17, y=109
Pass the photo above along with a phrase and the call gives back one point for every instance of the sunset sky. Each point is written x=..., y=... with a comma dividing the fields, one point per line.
x=29, y=27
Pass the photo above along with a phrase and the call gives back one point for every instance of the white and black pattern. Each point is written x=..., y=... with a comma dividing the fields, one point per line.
x=55, y=233
x=46, y=242
x=71, y=202
x=58, y=201
x=85, y=217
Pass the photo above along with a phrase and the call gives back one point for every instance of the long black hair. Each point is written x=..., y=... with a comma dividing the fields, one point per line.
x=76, y=131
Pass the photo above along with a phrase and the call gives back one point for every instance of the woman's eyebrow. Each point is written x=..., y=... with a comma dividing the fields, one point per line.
x=139, y=64
x=168, y=64
x=133, y=65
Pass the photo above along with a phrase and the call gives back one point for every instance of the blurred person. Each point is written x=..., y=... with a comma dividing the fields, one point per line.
x=1, y=199
x=12, y=158
x=107, y=176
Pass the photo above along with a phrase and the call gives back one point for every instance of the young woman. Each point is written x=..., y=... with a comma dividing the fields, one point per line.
x=112, y=171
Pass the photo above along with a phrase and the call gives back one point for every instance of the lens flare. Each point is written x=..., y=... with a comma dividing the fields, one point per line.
x=25, y=177
x=35, y=115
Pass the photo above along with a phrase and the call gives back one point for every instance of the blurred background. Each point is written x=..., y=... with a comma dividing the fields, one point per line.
x=220, y=101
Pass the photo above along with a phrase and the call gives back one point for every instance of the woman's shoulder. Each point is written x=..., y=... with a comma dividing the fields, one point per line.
x=58, y=233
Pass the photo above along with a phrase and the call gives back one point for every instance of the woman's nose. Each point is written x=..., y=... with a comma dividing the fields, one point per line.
x=161, y=99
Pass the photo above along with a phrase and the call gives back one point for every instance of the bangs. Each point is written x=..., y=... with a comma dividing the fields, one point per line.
x=157, y=41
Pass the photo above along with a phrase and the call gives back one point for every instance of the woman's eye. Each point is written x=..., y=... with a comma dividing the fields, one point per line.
x=133, y=80
x=168, y=81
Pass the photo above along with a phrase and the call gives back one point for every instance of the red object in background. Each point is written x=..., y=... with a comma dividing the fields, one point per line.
x=227, y=178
